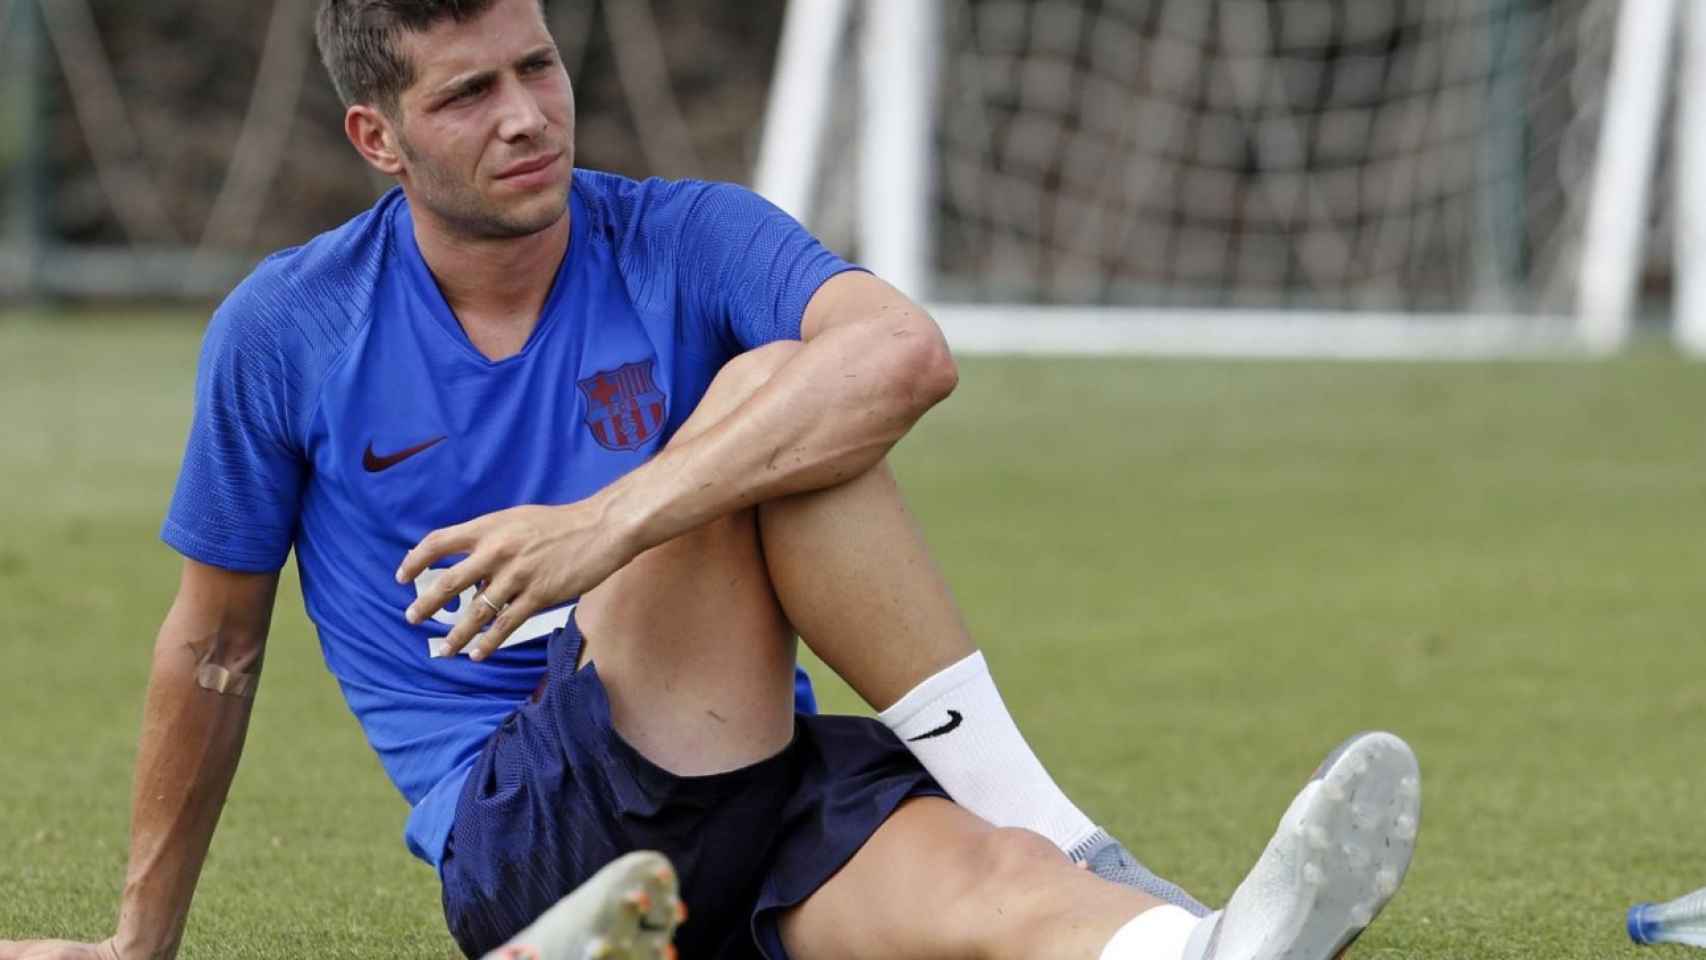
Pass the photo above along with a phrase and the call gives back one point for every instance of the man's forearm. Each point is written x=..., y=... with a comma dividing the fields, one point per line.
x=192, y=735
x=825, y=412
x=828, y=415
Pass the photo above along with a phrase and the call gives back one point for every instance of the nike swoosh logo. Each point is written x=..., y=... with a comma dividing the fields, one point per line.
x=954, y=719
x=373, y=463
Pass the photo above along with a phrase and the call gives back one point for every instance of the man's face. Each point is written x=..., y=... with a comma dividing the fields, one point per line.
x=487, y=128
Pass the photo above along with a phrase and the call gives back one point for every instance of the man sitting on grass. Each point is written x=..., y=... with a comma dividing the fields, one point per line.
x=568, y=461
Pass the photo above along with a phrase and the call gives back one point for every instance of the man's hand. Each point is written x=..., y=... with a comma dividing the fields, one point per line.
x=57, y=950
x=523, y=559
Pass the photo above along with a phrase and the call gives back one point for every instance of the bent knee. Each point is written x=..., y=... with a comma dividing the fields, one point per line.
x=1012, y=858
x=998, y=879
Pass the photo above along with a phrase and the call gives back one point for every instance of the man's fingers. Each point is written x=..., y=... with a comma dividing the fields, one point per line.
x=488, y=604
x=471, y=619
x=450, y=584
x=457, y=539
x=504, y=624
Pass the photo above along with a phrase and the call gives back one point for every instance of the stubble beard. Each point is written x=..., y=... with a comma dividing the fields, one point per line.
x=465, y=210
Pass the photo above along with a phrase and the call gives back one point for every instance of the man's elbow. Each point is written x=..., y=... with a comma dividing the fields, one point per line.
x=929, y=373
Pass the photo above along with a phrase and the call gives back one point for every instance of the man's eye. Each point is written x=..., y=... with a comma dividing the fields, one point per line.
x=535, y=66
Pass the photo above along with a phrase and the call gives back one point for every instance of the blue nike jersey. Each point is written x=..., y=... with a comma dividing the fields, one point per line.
x=341, y=409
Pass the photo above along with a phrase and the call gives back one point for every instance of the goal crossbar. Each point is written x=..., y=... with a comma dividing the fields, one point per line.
x=1340, y=335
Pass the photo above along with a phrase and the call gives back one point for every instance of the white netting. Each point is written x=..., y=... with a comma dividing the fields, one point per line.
x=1357, y=154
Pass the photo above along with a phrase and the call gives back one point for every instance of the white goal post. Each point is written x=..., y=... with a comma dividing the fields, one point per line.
x=1332, y=178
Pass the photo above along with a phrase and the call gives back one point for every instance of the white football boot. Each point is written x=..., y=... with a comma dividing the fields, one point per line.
x=628, y=911
x=1340, y=853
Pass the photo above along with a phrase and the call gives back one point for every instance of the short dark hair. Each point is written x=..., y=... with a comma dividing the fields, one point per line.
x=358, y=43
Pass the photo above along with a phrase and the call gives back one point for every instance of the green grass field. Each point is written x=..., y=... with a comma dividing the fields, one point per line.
x=1192, y=579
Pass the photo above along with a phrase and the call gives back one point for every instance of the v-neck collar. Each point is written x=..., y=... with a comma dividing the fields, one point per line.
x=426, y=284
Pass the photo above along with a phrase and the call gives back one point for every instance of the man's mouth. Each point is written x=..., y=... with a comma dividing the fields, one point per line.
x=526, y=167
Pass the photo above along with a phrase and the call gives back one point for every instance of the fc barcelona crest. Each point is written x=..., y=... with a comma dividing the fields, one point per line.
x=624, y=407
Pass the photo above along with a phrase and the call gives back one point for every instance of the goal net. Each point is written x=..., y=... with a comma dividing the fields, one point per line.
x=1241, y=176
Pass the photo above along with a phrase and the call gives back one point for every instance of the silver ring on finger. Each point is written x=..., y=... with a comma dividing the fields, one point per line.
x=497, y=608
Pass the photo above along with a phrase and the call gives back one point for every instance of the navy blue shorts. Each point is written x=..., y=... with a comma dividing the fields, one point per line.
x=556, y=794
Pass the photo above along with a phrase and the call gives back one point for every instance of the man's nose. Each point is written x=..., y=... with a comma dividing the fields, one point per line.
x=522, y=117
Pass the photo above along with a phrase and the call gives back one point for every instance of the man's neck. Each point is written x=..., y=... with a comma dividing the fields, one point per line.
x=496, y=288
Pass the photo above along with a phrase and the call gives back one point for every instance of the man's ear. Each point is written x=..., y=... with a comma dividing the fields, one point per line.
x=370, y=132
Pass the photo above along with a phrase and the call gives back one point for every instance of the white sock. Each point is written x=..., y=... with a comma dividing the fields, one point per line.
x=1159, y=933
x=957, y=726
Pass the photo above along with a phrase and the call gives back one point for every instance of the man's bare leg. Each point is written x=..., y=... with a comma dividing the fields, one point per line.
x=937, y=882
x=696, y=655
x=696, y=658
x=1339, y=855
x=850, y=567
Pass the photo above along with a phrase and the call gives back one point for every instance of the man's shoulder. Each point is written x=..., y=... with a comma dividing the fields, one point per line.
x=627, y=208
x=599, y=186
x=317, y=292
x=330, y=271
x=298, y=310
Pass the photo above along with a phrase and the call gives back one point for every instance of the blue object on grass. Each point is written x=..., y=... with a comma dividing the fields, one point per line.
x=1682, y=920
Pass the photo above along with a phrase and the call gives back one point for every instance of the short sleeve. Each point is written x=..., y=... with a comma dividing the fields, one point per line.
x=748, y=268
x=239, y=489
